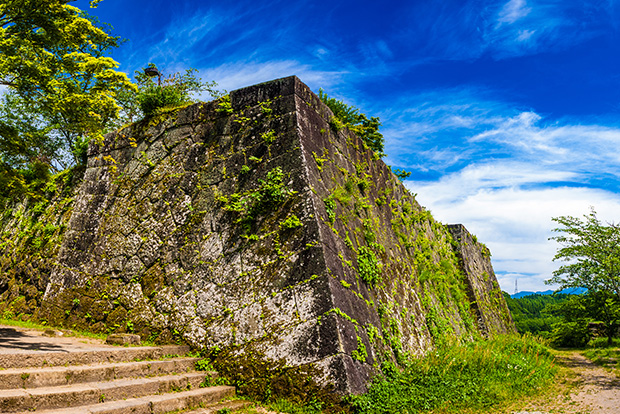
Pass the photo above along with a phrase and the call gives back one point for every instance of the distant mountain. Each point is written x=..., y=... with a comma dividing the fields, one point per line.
x=571, y=291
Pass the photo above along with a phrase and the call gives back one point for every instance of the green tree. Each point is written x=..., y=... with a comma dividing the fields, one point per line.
x=25, y=148
x=52, y=58
x=593, y=252
x=571, y=330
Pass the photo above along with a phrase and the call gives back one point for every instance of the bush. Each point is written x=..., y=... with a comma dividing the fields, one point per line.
x=153, y=98
x=349, y=116
x=368, y=266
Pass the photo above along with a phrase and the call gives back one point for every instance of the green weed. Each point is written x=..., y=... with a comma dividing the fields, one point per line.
x=476, y=375
x=368, y=267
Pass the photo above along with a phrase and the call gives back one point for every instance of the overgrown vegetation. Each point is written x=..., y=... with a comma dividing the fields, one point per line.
x=173, y=91
x=368, y=266
x=290, y=389
x=476, y=375
x=347, y=116
x=401, y=174
x=250, y=204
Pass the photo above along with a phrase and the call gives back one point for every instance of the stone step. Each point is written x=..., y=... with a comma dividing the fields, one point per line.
x=152, y=404
x=79, y=357
x=15, y=378
x=232, y=405
x=95, y=392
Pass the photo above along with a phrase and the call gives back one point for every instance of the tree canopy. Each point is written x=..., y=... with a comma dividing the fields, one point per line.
x=592, y=250
x=530, y=313
x=52, y=61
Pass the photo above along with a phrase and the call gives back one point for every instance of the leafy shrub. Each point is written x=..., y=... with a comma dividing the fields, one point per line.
x=175, y=90
x=291, y=222
x=156, y=97
x=203, y=365
x=272, y=192
x=401, y=174
x=330, y=208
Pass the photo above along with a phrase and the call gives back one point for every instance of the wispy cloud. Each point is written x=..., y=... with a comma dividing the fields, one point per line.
x=505, y=173
x=513, y=11
x=448, y=129
x=503, y=29
x=496, y=202
x=582, y=147
x=523, y=27
x=236, y=75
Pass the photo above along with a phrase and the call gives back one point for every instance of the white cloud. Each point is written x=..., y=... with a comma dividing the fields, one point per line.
x=440, y=135
x=513, y=11
x=240, y=74
x=525, y=35
x=585, y=147
x=522, y=28
x=504, y=174
x=494, y=202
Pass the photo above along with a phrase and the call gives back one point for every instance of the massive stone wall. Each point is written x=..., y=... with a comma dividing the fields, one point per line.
x=487, y=300
x=253, y=224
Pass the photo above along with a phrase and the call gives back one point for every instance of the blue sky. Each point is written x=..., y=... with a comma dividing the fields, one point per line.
x=506, y=112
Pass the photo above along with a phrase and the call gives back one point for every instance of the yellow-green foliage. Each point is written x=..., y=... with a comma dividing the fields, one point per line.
x=68, y=78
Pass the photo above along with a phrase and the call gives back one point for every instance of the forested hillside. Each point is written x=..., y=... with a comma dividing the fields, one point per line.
x=531, y=313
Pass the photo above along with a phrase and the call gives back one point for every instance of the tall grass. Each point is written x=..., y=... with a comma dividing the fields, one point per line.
x=473, y=376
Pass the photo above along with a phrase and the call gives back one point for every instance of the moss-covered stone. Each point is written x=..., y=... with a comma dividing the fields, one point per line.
x=250, y=226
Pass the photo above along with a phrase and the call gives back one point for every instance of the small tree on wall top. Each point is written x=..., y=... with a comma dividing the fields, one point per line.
x=173, y=91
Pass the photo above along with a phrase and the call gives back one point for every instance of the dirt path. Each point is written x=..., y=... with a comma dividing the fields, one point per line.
x=598, y=388
x=589, y=389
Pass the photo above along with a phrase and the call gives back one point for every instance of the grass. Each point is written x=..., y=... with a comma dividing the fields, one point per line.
x=604, y=355
x=466, y=378
x=284, y=406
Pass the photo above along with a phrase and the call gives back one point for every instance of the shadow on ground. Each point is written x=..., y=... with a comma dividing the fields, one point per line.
x=13, y=339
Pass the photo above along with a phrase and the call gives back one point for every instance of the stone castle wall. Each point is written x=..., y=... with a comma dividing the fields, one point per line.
x=252, y=225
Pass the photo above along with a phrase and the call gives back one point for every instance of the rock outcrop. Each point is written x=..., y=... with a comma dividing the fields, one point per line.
x=251, y=225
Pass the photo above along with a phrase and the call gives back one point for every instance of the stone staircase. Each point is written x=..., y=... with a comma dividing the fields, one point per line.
x=110, y=380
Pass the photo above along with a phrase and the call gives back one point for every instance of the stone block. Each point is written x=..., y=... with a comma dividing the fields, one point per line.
x=123, y=339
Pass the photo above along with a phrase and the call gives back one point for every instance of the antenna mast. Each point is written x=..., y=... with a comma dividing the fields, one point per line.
x=516, y=287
